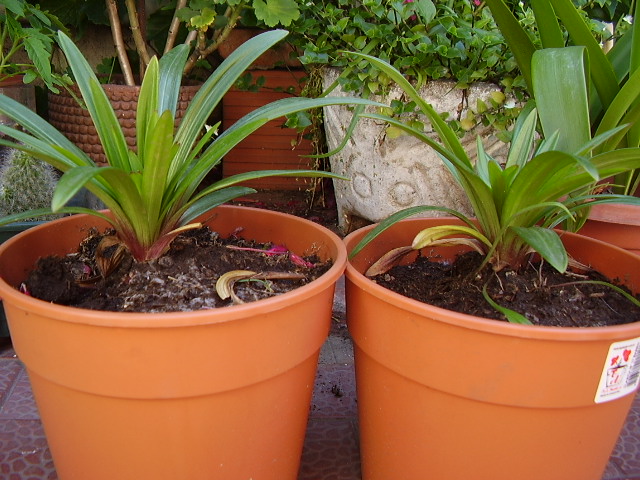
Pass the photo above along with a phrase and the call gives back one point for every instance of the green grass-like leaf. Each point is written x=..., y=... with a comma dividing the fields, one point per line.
x=155, y=192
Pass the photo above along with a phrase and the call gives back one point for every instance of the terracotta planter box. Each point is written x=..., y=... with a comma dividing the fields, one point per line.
x=272, y=146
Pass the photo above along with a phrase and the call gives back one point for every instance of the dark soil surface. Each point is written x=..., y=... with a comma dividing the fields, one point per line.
x=540, y=293
x=185, y=278
x=543, y=295
x=182, y=280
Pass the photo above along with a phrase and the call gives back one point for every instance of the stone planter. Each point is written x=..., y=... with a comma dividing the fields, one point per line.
x=390, y=174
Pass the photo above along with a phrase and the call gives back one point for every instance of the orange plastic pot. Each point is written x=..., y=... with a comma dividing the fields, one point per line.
x=215, y=394
x=617, y=224
x=449, y=396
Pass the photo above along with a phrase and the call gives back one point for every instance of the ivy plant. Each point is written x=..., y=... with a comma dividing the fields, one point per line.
x=425, y=40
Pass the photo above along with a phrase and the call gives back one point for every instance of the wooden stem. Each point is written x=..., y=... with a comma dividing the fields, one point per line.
x=118, y=41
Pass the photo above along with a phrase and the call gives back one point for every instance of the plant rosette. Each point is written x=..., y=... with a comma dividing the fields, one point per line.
x=614, y=78
x=614, y=75
x=517, y=203
x=153, y=193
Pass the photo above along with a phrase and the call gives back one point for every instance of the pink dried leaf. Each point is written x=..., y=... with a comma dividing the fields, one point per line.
x=298, y=260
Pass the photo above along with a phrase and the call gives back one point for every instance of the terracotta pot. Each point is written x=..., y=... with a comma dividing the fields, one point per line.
x=215, y=394
x=281, y=55
x=15, y=88
x=76, y=124
x=270, y=147
x=616, y=224
x=6, y=232
x=450, y=396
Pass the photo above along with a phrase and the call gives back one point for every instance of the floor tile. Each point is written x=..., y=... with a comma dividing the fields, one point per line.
x=330, y=451
x=23, y=451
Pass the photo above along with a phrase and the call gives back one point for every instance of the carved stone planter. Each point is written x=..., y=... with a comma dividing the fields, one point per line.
x=390, y=174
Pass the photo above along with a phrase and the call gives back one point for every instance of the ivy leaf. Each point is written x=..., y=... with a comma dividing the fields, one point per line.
x=274, y=12
x=205, y=19
x=425, y=9
x=394, y=132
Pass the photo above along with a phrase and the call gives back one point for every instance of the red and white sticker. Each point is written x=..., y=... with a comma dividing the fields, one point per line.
x=621, y=373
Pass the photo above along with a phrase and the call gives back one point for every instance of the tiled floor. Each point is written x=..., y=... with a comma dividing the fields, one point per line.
x=331, y=446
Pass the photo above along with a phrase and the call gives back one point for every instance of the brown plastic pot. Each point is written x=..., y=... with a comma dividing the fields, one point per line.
x=215, y=394
x=617, y=224
x=449, y=396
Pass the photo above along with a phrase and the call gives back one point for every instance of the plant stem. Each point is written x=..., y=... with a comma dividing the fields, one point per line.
x=174, y=27
x=118, y=41
x=138, y=38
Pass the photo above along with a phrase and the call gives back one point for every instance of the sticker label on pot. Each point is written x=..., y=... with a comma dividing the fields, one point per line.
x=621, y=373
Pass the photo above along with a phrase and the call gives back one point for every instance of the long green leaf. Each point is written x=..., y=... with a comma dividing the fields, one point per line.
x=547, y=243
x=446, y=134
x=621, y=104
x=171, y=67
x=548, y=26
x=158, y=153
x=401, y=215
x=97, y=102
x=515, y=36
x=212, y=199
x=190, y=175
x=40, y=129
x=212, y=91
x=560, y=89
x=511, y=315
x=602, y=74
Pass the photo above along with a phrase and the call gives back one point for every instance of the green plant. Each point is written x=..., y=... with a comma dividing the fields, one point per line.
x=516, y=204
x=615, y=75
x=159, y=25
x=153, y=194
x=423, y=39
x=24, y=28
x=26, y=183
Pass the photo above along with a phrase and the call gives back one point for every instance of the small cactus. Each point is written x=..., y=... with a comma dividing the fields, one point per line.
x=26, y=183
